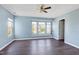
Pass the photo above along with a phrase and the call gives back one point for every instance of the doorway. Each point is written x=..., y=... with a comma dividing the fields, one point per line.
x=61, y=29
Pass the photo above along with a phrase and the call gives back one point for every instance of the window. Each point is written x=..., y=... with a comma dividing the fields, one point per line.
x=34, y=27
x=41, y=27
x=10, y=26
x=48, y=28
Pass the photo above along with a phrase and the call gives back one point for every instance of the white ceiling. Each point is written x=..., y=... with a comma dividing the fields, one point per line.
x=33, y=9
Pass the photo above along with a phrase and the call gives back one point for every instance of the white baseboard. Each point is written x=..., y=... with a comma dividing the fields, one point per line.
x=72, y=45
x=6, y=45
x=32, y=38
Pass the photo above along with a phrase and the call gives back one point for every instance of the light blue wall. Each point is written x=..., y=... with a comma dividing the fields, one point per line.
x=71, y=27
x=4, y=15
x=23, y=25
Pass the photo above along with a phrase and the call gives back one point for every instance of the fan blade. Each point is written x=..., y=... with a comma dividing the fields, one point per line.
x=45, y=11
x=47, y=8
x=42, y=7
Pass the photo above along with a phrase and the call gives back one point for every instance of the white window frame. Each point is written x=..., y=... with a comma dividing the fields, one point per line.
x=45, y=28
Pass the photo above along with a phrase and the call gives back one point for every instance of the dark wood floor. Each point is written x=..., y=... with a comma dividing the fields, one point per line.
x=39, y=47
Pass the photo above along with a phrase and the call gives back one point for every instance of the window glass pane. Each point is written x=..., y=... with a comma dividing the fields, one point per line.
x=34, y=27
x=41, y=27
x=10, y=26
x=48, y=28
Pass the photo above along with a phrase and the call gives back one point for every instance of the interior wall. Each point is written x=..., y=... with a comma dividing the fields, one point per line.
x=4, y=15
x=55, y=29
x=71, y=27
x=23, y=26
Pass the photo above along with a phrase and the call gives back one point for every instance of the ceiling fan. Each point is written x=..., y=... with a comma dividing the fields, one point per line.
x=44, y=8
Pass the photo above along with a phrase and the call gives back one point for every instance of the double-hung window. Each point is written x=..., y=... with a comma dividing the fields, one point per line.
x=48, y=29
x=41, y=27
x=34, y=27
x=10, y=26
